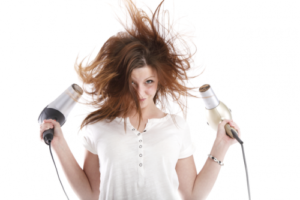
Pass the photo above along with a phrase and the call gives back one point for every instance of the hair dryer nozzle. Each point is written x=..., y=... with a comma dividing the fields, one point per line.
x=66, y=101
x=216, y=111
x=209, y=97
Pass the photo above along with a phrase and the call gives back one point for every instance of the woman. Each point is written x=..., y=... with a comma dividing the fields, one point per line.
x=133, y=71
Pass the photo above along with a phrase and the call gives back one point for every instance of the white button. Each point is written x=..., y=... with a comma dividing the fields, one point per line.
x=139, y=133
x=140, y=155
x=140, y=140
x=133, y=129
x=140, y=164
x=140, y=146
x=144, y=130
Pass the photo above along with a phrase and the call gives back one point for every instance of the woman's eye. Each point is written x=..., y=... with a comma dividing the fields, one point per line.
x=146, y=81
x=150, y=80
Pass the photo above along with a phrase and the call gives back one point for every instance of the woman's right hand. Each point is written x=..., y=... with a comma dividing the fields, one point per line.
x=50, y=123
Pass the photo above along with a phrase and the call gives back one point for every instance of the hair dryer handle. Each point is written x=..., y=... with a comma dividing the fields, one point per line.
x=231, y=132
x=228, y=130
x=48, y=135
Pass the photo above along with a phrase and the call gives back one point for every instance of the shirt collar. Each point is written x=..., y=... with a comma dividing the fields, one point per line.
x=149, y=124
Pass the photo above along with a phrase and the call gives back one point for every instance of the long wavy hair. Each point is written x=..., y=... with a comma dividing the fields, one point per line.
x=143, y=43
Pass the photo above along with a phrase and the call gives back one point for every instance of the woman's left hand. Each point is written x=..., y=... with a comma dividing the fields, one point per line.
x=221, y=133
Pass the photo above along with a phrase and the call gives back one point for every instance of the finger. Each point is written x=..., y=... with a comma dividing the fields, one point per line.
x=225, y=121
x=232, y=123
x=52, y=121
x=47, y=126
x=47, y=121
x=235, y=126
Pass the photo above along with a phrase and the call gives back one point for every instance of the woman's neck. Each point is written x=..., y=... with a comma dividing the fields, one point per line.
x=147, y=113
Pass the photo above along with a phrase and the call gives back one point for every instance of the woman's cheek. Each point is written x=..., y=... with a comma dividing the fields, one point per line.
x=152, y=90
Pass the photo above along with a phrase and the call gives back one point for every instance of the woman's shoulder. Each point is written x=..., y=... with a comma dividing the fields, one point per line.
x=177, y=117
x=178, y=120
x=99, y=125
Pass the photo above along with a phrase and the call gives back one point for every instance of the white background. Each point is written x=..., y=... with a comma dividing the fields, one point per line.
x=250, y=50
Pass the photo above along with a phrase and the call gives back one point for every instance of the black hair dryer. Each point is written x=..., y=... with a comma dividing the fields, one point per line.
x=59, y=109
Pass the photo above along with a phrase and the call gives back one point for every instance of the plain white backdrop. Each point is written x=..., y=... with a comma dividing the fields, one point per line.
x=250, y=52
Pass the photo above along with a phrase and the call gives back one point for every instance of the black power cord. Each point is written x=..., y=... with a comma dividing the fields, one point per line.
x=56, y=168
x=241, y=142
x=246, y=172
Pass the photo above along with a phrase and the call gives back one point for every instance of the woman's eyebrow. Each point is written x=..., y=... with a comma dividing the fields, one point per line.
x=150, y=77
x=146, y=78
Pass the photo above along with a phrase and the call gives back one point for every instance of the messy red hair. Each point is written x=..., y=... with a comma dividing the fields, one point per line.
x=142, y=44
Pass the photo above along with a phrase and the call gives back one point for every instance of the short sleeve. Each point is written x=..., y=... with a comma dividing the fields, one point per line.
x=188, y=148
x=87, y=140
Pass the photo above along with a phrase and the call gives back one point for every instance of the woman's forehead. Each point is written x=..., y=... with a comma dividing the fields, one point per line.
x=143, y=73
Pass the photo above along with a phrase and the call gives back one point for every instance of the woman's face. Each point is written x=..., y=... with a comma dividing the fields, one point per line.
x=145, y=81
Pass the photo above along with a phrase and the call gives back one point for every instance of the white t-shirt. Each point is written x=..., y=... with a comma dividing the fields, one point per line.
x=139, y=166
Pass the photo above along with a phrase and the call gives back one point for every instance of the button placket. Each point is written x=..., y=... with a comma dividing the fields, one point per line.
x=140, y=151
x=140, y=143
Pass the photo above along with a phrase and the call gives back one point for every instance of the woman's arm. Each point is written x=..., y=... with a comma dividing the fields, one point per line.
x=75, y=175
x=207, y=177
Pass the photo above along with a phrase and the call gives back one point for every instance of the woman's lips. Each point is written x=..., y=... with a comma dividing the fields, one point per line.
x=142, y=99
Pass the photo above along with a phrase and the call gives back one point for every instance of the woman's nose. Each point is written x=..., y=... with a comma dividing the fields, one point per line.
x=141, y=91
